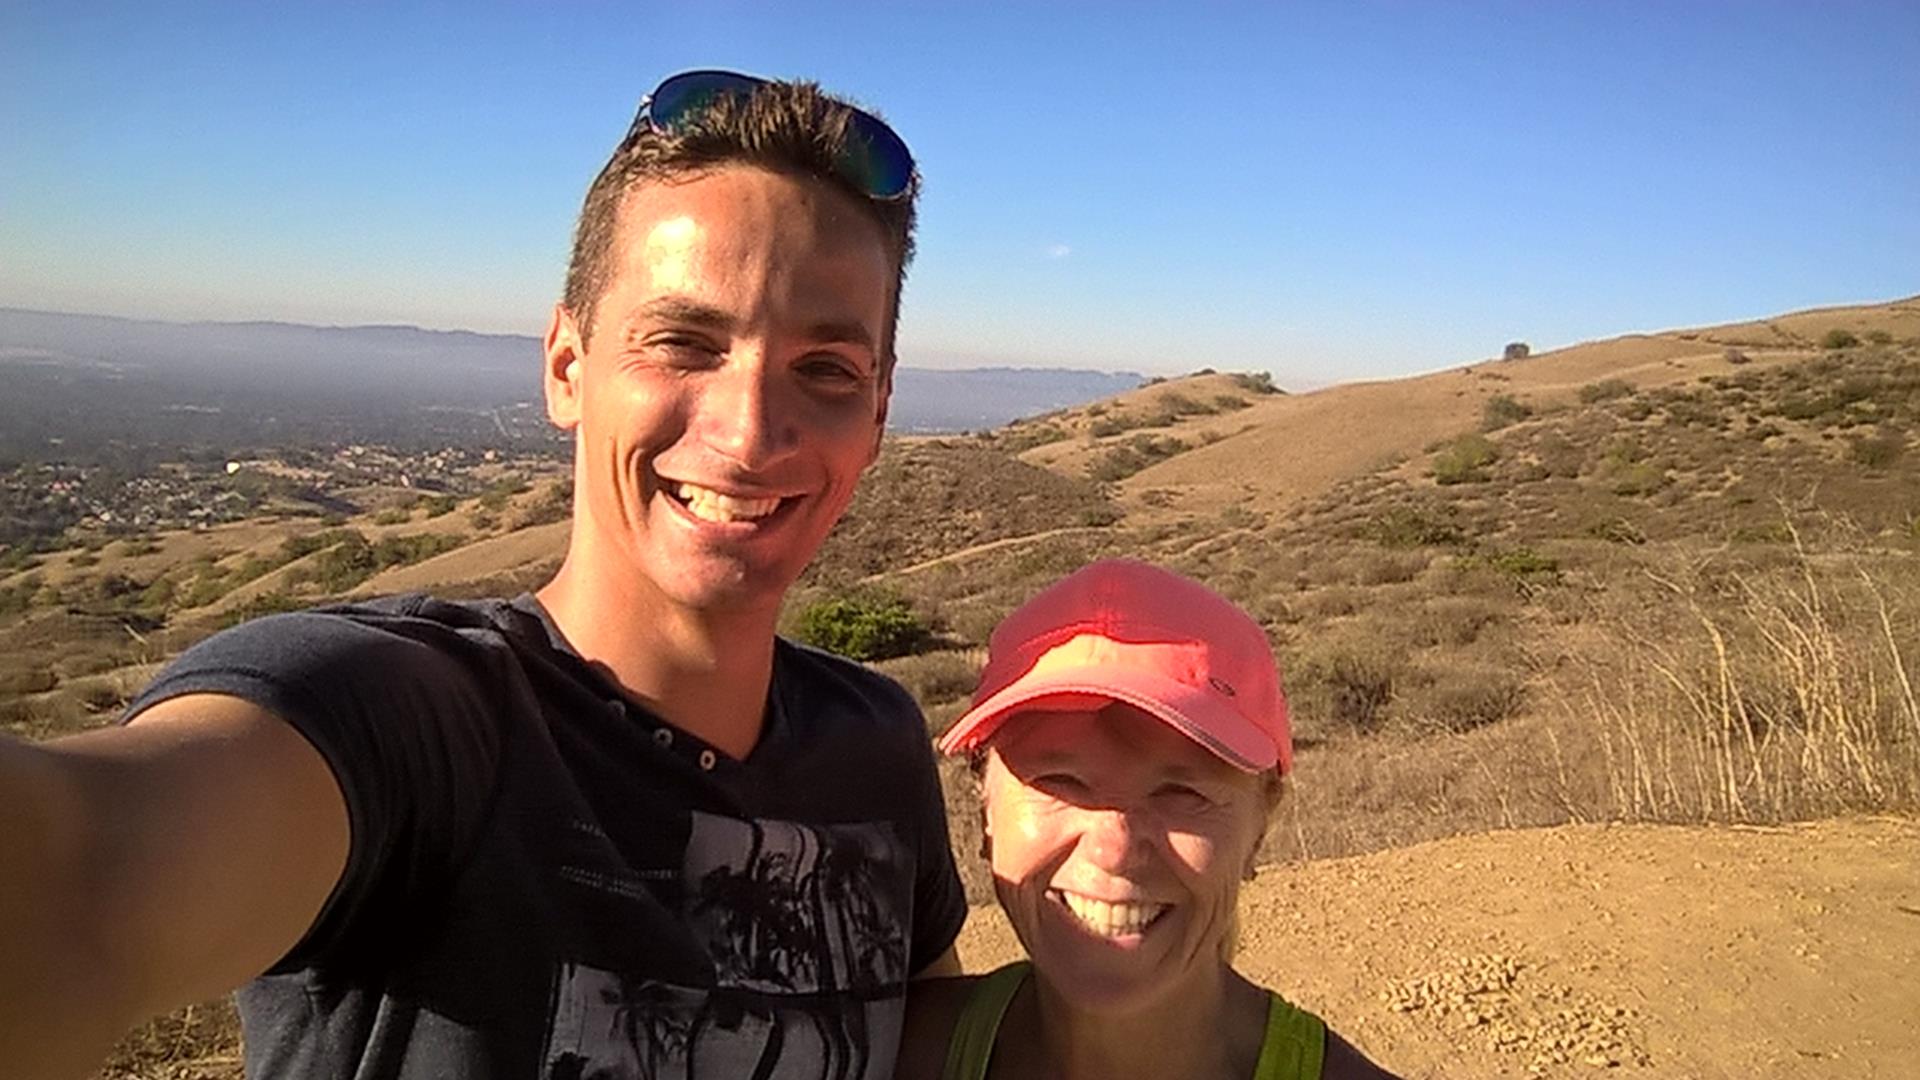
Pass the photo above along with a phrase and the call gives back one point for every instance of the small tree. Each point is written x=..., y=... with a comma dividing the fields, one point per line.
x=1465, y=460
x=1516, y=350
x=1837, y=338
x=862, y=626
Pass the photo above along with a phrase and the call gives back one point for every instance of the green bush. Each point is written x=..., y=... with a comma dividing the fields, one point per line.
x=1636, y=478
x=441, y=504
x=1465, y=460
x=862, y=626
x=1407, y=526
x=393, y=515
x=1502, y=410
x=1879, y=337
x=1838, y=339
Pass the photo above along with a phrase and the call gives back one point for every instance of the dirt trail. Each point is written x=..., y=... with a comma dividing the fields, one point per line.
x=977, y=549
x=1592, y=950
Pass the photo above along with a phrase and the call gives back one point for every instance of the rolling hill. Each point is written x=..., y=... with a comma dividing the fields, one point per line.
x=1668, y=579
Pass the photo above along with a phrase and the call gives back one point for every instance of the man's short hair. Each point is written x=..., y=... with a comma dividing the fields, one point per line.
x=787, y=127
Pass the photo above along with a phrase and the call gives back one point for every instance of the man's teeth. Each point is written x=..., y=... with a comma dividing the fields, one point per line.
x=709, y=505
x=1110, y=920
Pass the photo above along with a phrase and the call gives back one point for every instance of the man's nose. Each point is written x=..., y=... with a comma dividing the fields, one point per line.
x=744, y=416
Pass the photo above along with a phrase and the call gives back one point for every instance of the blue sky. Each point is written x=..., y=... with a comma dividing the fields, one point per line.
x=1327, y=192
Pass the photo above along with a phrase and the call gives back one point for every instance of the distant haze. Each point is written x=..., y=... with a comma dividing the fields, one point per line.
x=74, y=378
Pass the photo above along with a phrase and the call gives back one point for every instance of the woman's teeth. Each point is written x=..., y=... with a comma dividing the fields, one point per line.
x=1109, y=920
x=710, y=505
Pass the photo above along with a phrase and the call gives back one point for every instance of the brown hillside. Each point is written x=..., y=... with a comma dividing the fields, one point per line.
x=1275, y=452
x=1664, y=578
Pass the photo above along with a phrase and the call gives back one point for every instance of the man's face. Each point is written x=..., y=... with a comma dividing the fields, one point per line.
x=733, y=391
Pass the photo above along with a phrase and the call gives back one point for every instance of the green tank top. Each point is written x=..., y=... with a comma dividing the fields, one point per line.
x=1295, y=1043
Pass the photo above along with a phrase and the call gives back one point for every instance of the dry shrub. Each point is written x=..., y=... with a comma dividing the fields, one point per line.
x=1351, y=795
x=200, y=1042
x=1385, y=567
x=1777, y=694
x=1333, y=602
x=937, y=680
x=1461, y=698
x=1346, y=683
x=1453, y=620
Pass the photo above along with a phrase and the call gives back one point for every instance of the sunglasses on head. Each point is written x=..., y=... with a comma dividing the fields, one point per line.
x=874, y=159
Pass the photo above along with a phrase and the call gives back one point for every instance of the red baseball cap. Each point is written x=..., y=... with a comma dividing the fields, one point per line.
x=1120, y=630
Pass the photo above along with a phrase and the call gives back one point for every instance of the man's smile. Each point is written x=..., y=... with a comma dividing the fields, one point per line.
x=710, y=505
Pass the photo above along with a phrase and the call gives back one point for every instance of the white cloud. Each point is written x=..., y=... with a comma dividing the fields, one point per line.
x=1057, y=251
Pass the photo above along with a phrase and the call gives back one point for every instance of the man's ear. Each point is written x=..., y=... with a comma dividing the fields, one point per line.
x=560, y=374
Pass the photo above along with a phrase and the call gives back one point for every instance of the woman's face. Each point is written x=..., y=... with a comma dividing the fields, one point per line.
x=1118, y=846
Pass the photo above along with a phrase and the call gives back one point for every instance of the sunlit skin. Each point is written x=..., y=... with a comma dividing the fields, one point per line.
x=1117, y=806
x=738, y=349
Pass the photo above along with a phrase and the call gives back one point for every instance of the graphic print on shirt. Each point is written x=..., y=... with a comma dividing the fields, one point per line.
x=806, y=927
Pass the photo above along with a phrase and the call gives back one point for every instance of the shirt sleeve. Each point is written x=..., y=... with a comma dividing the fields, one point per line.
x=399, y=709
x=939, y=899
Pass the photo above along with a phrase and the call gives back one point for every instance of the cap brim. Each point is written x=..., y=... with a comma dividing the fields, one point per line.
x=1193, y=712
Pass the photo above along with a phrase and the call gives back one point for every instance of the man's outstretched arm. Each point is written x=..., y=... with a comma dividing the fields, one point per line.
x=153, y=865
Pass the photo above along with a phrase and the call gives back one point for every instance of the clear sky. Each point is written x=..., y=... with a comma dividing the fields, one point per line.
x=1326, y=192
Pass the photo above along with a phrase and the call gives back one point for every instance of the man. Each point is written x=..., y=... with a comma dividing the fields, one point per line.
x=617, y=829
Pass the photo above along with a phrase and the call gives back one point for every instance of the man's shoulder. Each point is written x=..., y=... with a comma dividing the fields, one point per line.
x=824, y=679
x=394, y=634
x=805, y=664
x=418, y=616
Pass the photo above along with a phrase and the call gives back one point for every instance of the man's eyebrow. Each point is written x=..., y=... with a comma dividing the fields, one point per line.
x=846, y=332
x=684, y=312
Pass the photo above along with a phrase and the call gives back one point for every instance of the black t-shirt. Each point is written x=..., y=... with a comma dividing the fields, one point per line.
x=546, y=880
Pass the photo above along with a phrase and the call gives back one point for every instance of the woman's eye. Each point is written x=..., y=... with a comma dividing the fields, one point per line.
x=1185, y=797
x=1060, y=785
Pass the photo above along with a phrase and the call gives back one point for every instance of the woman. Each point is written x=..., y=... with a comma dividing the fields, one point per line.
x=1130, y=737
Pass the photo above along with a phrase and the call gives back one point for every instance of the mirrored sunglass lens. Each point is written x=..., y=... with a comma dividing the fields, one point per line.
x=683, y=95
x=877, y=158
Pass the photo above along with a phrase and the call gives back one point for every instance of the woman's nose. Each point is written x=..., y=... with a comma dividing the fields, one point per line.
x=1116, y=840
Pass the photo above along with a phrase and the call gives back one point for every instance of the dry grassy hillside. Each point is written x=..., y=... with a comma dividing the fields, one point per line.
x=1665, y=578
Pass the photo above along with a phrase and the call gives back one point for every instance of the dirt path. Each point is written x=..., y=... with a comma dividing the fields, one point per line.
x=1587, y=950
x=969, y=552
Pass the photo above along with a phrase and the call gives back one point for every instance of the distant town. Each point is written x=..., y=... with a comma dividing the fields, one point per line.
x=46, y=506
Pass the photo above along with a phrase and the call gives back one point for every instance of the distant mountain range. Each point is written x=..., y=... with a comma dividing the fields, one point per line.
x=66, y=375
